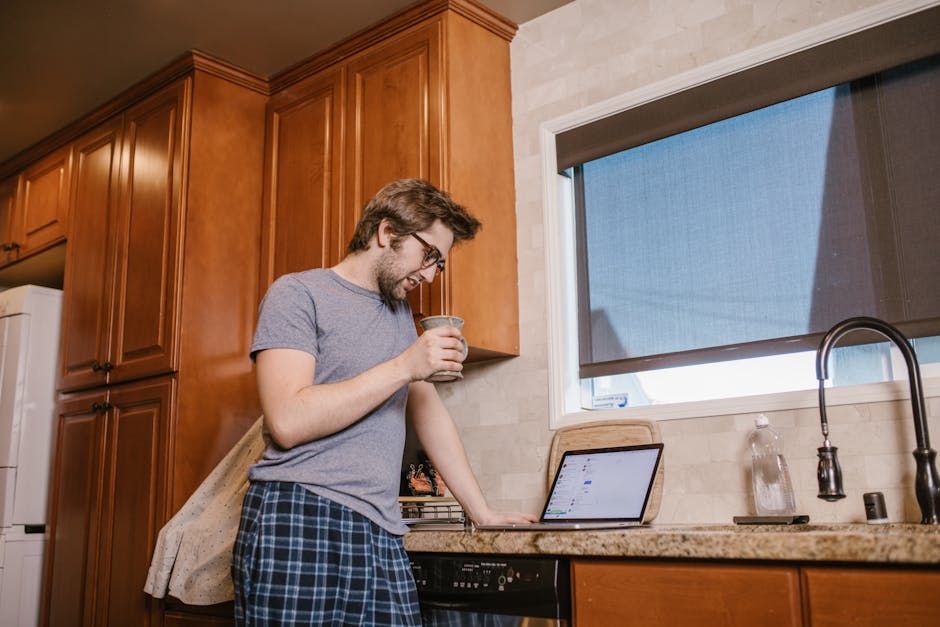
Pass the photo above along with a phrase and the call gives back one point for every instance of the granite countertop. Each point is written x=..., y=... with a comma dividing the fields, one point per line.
x=891, y=543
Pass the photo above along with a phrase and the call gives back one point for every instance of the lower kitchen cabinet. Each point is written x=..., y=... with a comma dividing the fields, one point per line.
x=704, y=593
x=178, y=614
x=181, y=619
x=664, y=594
x=862, y=597
x=107, y=502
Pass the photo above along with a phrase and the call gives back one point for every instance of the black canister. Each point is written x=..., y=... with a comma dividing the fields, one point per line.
x=875, y=510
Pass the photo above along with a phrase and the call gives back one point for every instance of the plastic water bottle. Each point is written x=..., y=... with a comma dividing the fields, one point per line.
x=773, y=491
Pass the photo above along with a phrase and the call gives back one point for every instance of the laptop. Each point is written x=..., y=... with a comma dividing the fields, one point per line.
x=601, y=488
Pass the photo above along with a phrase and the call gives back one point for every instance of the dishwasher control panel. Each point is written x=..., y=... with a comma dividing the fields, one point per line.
x=533, y=586
x=496, y=575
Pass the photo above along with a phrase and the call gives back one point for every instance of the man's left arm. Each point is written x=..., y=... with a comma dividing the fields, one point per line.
x=439, y=438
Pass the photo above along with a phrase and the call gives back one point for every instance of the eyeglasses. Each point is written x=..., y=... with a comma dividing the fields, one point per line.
x=432, y=255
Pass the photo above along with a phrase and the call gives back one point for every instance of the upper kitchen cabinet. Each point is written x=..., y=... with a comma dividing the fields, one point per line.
x=163, y=248
x=394, y=130
x=34, y=207
x=147, y=237
x=302, y=170
x=424, y=94
x=89, y=273
x=122, y=267
x=161, y=269
x=7, y=207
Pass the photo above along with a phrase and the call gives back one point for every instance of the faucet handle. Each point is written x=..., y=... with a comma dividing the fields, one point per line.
x=829, y=473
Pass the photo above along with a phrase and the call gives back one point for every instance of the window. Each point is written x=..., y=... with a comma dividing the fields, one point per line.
x=711, y=257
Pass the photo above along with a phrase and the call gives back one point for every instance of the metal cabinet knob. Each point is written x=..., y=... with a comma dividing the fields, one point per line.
x=105, y=367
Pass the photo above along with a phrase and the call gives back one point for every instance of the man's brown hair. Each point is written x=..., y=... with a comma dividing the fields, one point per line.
x=412, y=205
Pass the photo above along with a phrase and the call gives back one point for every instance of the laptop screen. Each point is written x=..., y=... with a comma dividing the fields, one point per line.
x=603, y=484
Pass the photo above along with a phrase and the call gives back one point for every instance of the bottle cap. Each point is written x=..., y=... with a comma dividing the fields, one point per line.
x=761, y=421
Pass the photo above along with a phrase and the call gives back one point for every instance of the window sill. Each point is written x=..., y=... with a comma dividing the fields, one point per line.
x=785, y=401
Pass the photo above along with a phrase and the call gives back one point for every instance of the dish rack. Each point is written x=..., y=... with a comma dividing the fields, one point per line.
x=427, y=512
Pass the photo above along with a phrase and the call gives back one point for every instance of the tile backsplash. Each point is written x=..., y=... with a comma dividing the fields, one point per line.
x=583, y=53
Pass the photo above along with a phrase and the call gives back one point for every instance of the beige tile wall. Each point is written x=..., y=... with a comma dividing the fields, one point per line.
x=578, y=55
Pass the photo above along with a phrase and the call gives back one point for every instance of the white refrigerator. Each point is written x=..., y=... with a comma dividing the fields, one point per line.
x=29, y=347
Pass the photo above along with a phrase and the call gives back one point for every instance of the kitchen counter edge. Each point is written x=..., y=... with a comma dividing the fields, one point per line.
x=886, y=544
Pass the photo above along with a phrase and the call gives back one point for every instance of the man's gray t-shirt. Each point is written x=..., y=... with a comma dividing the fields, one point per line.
x=348, y=329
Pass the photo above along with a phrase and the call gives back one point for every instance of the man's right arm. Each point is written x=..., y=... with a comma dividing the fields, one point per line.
x=298, y=411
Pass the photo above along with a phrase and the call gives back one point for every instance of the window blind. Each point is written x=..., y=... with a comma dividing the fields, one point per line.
x=754, y=234
x=845, y=59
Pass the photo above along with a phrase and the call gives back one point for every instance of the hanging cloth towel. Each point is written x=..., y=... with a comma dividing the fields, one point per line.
x=192, y=558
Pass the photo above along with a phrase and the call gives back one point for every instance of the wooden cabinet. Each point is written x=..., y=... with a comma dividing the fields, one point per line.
x=107, y=504
x=34, y=206
x=147, y=238
x=162, y=271
x=160, y=293
x=426, y=94
x=900, y=597
x=122, y=274
x=188, y=619
x=42, y=213
x=707, y=593
x=394, y=129
x=74, y=494
x=649, y=593
x=302, y=170
x=178, y=614
x=394, y=118
x=89, y=271
x=8, y=190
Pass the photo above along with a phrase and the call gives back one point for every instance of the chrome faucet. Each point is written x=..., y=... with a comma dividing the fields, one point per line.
x=829, y=473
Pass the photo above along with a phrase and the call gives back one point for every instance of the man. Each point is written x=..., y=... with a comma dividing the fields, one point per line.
x=339, y=368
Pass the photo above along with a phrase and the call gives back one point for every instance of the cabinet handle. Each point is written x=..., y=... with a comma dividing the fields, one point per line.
x=105, y=367
x=10, y=246
x=96, y=407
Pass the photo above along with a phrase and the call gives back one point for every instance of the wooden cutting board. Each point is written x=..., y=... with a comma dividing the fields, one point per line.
x=609, y=433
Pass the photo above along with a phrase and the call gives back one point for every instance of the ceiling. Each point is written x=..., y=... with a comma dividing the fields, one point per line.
x=59, y=59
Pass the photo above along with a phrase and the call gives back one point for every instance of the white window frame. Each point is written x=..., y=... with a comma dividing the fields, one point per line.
x=558, y=223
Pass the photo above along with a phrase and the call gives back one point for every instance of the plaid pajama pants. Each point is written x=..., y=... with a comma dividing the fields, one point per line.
x=301, y=559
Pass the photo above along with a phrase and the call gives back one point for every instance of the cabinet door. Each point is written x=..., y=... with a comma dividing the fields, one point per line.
x=183, y=619
x=134, y=501
x=89, y=266
x=148, y=236
x=302, y=176
x=7, y=207
x=75, y=489
x=900, y=597
x=393, y=121
x=645, y=593
x=41, y=216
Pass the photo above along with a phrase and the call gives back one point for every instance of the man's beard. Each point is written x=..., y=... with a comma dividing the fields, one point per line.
x=386, y=276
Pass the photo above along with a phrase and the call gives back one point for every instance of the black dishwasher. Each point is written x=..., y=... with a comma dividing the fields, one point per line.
x=492, y=590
